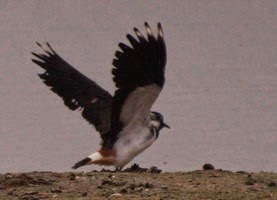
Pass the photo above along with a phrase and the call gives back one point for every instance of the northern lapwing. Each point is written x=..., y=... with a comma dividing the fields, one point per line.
x=125, y=123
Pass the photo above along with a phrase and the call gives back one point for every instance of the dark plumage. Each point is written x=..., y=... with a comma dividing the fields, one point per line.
x=138, y=74
x=76, y=90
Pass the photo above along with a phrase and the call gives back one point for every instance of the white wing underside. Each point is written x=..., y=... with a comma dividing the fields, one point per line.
x=138, y=104
x=135, y=136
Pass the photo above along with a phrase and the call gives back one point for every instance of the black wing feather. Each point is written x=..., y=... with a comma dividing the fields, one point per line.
x=143, y=63
x=76, y=90
x=138, y=65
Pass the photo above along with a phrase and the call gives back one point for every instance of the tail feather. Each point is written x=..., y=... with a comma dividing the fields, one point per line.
x=96, y=158
x=82, y=163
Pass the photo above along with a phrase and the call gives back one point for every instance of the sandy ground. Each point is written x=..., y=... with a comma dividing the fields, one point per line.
x=138, y=183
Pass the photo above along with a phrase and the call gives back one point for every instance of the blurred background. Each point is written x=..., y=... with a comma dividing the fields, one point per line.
x=220, y=97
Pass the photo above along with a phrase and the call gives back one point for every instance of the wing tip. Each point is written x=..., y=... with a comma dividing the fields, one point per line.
x=148, y=29
x=46, y=50
x=38, y=44
x=138, y=33
x=160, y=31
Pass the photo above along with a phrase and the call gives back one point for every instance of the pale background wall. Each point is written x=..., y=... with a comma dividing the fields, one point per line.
x=220, y=97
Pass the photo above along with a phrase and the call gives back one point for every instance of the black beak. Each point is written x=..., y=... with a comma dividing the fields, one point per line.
x=165, y=125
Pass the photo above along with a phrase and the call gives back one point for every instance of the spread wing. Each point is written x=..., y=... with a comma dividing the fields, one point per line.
x=76, y=90
x=139, y=77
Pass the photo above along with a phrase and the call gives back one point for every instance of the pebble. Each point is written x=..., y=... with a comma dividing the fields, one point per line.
x=132, y=186
x=10, y=192
x=123, y=191
x=148, y=185
x=271, y=184
x=241, y=172
x=139, y=189
x=208, y=166
x=113, y=177
x=116, y=195
x=164, y=187
x=155, y=170
x=54, y=190
x=250, y=182
x=72, y=176
x=100, y=187
x=31, y=192
x=84, y=194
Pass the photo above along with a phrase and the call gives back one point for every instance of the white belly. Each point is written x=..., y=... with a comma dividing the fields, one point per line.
x=130, y=144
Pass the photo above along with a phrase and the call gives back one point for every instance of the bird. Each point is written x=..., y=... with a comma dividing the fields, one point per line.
x=126, y=124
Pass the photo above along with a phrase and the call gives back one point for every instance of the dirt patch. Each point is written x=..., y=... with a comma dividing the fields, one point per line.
x=139, y=183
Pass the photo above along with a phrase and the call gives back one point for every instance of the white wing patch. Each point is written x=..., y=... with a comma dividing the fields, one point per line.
x=138, y=104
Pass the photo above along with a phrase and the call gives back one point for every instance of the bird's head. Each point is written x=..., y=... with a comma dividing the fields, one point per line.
x=157, y=120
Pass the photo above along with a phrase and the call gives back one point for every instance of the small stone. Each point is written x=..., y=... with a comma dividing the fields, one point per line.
x=8, y=176
x=208, y=166
x=106, y=182
x=139, y=189
x=84, y=194
x=72, y=176
x=155, y=170
x=89, y=174
x=148, y=185
x=112, y=176
x=241, y=172
x=253, y=189
x=250, y=182
x=54, y=190
x=123, y=191
x=164, y=187
x=116, y=195
x=10, y=192
x=31, y=192
x=100, y=187
x=132, y=186
x=79, y=177
x=271, y=184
